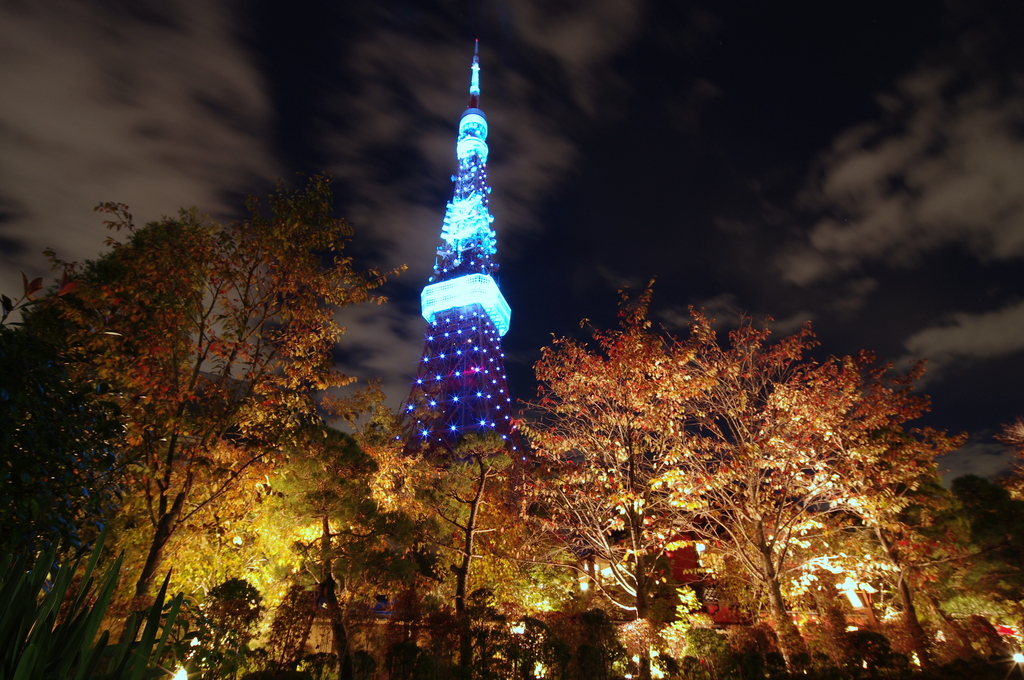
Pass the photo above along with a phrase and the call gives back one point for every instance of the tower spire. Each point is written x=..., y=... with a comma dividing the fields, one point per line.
x=460, y=387
x=474, y=82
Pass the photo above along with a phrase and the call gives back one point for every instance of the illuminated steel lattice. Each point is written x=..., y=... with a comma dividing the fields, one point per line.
x=461, y=386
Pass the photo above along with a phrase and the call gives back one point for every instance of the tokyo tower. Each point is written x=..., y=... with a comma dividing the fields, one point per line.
x=460, y=387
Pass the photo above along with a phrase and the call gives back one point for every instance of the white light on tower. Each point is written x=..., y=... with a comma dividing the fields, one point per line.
x=465, y=291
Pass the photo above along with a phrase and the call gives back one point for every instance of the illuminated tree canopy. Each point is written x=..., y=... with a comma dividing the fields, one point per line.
x=749, y=445
x=215, y=340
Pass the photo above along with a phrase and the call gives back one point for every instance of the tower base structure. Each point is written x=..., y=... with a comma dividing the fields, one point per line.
x=461, y=387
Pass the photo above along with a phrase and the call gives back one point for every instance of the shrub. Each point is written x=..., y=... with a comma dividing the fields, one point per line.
x=870, y=656
x=290, y=630
x=217, y=635
x=49, y=632
x=711, y=649
x=535, y=648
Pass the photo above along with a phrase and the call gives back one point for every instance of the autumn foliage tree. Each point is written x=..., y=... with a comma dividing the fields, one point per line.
x=783, y=441
x=216, y=340
x=893, y=484
x=762, y=464
x=748, y=445
x=613, y=421
x=1012, y=434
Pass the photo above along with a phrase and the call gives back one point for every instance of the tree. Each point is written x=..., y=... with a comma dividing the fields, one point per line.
x=210, y=334
x=459, y=490
x=762, y=466
x=378, y=430
x=997, y=532
x=460, y=501
x=58, y=449
x=782, y=441
x=893, y=484
x=613, y=425
x=749, y=445
x=29, y=296
x=323, y=503
x=1012, y=434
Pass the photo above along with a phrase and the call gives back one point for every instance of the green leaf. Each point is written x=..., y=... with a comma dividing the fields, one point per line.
x=26, y=664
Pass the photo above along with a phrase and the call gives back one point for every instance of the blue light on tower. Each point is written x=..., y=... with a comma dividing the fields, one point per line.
x=465, y=291
x=464, y=306
x=472, y=133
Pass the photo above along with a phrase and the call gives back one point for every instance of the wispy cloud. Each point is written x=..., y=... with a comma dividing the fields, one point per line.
x=980, y=456
x=940, y=166
x=724, y=312
x=792, y=323
x=157, y=109
x=854, y=295
x=967, y=337
x=580, y=39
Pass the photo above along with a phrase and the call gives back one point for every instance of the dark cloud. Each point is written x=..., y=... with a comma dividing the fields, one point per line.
x=104, y=105
x=981, y=456
x=938, y=168
x=963, y=338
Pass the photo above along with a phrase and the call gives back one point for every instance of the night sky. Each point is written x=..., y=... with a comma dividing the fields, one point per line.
x=857, y=164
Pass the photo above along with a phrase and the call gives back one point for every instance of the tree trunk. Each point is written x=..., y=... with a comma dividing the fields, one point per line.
x=165, y=528
x=910, y=620
x=917, y=633
x=642, y=586
x=590, y=567
x=962, y=642
x=636, y=526
x=791, y=643
x=328, y=591
x=153, y=558
x=341, y=646
x=463, y=570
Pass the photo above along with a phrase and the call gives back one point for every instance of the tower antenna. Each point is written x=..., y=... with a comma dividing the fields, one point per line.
x=474, y=82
